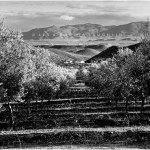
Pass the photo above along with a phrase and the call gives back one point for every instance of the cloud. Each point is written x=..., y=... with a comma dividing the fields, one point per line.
x=106, y=19
x=67, y=17
x=28, y=15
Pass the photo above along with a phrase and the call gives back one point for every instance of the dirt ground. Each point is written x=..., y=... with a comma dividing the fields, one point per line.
x=76, y=148
x=110, y=129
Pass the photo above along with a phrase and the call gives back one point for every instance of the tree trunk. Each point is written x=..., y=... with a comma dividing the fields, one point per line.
x=28, y=106
x=116, y=102
x=42, y=102
x=36, y=104
x=127, y=105
x=142, y=105
x=11, y=117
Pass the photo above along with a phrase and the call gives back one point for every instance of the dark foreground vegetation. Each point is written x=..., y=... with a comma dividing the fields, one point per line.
x=75, y=112
x=88, y=138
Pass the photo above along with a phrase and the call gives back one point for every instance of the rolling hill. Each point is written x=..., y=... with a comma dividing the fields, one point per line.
x=61, y=53
x=67, y=48
x=57, y=58
x=80, y=31
x=98, y=47
x=109, y=52
x=88, y=52
x=58, y=55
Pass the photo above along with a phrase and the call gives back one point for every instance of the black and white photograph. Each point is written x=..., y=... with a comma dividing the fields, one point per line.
x=74, y=74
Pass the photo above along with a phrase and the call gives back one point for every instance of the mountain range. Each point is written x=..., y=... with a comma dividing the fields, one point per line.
x=87, y=30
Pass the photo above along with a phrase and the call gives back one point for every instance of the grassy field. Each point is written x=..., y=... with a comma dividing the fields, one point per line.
x=78, y=138
x=77, y=112
x=71, y=122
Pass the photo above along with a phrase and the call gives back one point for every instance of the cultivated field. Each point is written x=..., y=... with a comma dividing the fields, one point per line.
x=91, y=41
x=84, y=121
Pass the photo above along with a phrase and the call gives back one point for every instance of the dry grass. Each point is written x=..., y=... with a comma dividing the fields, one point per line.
x=57, y=130
x=70, y=147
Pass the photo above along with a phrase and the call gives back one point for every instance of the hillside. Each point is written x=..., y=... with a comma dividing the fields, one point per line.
x=134, y=28
x=79, y=31
x=88, y=52
x=61, y=53
x=67, y=48
x=58, y=56
x=98, y=47
x=68, y=31
x=109, y=52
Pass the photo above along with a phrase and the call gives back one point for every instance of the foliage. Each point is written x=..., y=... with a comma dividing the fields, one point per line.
x=26, y=71
x=48, y=80
x=126, y=75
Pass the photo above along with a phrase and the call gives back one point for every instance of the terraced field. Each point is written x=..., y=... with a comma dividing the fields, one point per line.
x=76, y=112
x=83, y=121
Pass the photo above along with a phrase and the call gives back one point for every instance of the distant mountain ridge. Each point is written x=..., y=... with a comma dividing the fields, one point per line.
x=87, y=30
x=134, y=28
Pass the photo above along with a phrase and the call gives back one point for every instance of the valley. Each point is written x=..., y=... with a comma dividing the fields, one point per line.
x=83, y=49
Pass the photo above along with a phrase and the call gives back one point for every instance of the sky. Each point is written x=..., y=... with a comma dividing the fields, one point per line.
x=26, y=15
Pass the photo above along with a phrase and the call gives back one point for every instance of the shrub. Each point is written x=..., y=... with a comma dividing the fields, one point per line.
x=49, y=80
